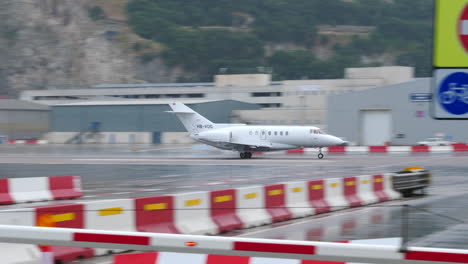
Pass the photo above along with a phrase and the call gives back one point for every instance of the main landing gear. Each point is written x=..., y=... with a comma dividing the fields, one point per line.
x=245, y=155
x=320, y=155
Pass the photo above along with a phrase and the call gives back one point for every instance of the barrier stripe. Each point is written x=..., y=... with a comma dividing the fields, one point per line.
x=250, y=196
x=63, y=217
x=274, y=248
x=155, y=206
x=297, y=189
x=111, y=211
x=223, y=198
x=437, y=256
x=193, y=202
x=111, y=239
x=275, y=192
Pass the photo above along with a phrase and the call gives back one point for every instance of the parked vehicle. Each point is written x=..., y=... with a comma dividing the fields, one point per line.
x=435, y=141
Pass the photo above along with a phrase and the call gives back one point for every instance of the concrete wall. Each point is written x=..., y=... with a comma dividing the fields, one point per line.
x=23, y=124
x=411, y=121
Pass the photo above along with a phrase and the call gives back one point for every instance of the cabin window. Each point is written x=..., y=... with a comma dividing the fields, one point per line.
x=281, y=133
x=250, y=132
x=286, y=133
x=269, y=133
x=256, y=133
x=263, y=132
x=276, y=133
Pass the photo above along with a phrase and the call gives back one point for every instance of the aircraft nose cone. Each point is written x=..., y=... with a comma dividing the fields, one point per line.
x=335, y=141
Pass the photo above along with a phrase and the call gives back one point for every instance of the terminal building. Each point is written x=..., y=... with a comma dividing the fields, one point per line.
x=291, y=102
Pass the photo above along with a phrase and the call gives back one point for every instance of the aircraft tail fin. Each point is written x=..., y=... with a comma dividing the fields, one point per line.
x=192, y=121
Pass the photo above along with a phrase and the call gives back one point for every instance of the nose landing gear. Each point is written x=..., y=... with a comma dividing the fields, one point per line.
x=320, y=155
x=245, y=155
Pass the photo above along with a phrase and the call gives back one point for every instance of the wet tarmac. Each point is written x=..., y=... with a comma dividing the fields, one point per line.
x=435, y=220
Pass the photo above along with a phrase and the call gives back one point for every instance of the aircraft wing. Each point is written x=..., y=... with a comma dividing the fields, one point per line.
x=251, y=145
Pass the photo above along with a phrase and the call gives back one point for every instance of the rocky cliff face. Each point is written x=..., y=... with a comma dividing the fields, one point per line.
x=54, y=42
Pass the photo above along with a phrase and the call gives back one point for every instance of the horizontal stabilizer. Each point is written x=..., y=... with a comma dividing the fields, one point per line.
x=179, y=112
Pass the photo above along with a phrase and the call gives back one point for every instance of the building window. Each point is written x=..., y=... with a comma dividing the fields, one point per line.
x=196, y=95
x=272, y=105
x=266, y=94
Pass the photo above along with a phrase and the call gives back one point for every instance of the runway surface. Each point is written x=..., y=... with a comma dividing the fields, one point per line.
x=436, y=220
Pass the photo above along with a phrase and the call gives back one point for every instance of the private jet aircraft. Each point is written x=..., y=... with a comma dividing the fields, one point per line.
x=251, y=138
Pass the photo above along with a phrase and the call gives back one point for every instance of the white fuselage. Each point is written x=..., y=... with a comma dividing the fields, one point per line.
x=266, y=138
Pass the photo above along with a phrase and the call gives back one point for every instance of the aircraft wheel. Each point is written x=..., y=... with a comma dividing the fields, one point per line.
x=320, y=156
x=248, y=155
x=242, y=155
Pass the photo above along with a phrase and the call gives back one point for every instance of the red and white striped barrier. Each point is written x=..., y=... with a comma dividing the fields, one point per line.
x=251, y=206
x=20, y=190
x=192, y=214
x=28, y=141
x=210, y=212
x=232, y=246
x=118, y=215
x=365, y=190
x=224, y=210
x=334, y=194
x=65, y=216
x=458, y=147
x=297, y=199
x=275, y=203
x=155, y=207
x=171, y=258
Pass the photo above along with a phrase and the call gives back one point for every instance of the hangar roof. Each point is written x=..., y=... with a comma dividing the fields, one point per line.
x=138, y=102
x=13, y=104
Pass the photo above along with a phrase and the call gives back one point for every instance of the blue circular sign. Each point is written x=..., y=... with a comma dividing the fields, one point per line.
x=453, y=93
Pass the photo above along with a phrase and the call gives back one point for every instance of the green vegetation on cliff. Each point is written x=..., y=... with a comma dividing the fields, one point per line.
x=206, y=35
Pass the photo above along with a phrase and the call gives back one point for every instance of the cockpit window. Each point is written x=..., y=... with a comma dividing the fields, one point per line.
x=316, y=131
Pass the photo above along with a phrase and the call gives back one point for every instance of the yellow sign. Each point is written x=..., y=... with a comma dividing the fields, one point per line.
x=222, y=199
x=63, y=217
x=250, y=196
x=350, y=183
x=275, y=192
x=193, y=202
x=297, y=189
x=451, y=34
x=316, y=187
x=334, y=185
x=111, y=211
x=155, y=206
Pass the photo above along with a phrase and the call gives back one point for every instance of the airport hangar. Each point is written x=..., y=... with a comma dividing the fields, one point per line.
x=22, y=120
x=288, y=102
x=132, y=121
x=395, y=114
